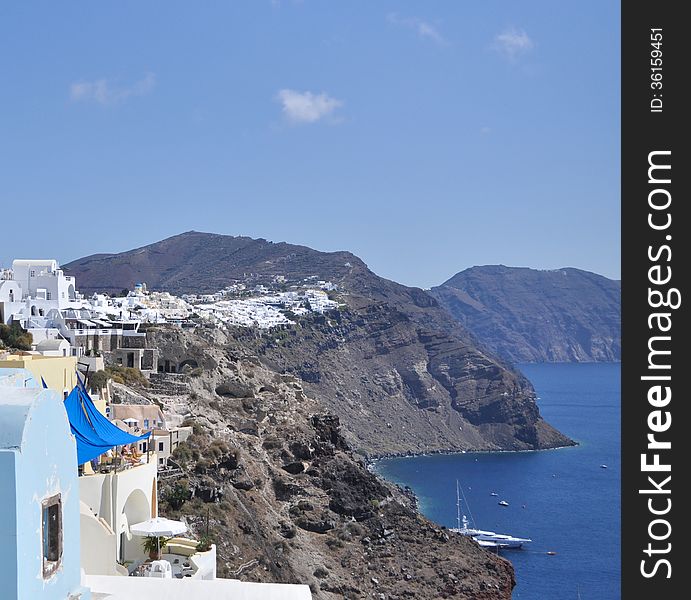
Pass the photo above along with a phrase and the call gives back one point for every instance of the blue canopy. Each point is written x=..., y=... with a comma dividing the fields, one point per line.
x=95, y=434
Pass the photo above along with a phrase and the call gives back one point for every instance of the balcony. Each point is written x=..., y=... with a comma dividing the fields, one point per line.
x=184, y=559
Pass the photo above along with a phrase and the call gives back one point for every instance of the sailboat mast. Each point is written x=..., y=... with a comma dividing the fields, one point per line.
x=458, y=506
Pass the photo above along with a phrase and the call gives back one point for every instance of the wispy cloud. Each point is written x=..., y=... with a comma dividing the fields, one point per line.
x=307, y=107
x=513, y=43
x=424, y=29
x=107, y=93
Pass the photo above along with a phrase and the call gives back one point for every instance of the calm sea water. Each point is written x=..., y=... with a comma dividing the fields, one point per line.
x=562, y=499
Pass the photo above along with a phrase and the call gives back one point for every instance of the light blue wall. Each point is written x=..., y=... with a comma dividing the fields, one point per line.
x=17, y=378
x=44, y=466
x=8, y=522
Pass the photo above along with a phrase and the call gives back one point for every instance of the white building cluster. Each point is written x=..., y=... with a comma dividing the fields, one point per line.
x=39, y=297
x=267, y=309
x=152, y=307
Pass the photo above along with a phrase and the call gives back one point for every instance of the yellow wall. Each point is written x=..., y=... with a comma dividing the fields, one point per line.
x=100, y=405
x=59, y=372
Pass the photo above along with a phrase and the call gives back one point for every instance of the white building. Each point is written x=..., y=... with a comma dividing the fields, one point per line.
x=31, y=288
x=44, y=280
x=53, y=347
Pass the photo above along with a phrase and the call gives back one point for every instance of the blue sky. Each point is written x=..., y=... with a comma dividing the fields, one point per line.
x=426, y=137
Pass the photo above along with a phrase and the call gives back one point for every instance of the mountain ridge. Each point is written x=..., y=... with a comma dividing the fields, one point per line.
x=531, y=315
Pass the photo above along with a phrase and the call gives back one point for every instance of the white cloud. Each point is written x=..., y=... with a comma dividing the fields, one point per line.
x=107, y=93
x=513, y=43
x=424, y=29
x=306, y=107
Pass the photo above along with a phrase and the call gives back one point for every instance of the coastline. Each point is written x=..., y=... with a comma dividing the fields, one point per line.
x=371, y=459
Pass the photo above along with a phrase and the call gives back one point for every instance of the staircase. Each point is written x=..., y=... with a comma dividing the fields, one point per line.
x=169, y=384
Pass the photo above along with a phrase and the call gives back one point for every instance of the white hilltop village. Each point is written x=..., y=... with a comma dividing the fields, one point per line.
x=39, y=296
x=78, y=507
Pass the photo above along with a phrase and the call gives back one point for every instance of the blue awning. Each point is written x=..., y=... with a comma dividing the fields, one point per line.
x=94, y=433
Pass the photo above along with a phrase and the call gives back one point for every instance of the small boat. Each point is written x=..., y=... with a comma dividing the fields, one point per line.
x=493, y=494
x=603, y=466
x=503, y=503
x=551, y=553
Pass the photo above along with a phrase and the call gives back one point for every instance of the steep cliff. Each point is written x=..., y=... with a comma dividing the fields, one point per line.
x=525, y=315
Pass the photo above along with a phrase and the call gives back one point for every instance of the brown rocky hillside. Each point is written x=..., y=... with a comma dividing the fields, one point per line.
x=400, y=373
x=269, y=475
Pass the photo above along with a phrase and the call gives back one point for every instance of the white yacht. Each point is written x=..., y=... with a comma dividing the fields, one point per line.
x=487, y=539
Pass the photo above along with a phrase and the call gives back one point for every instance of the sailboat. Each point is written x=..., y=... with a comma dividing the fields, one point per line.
x=486, y=539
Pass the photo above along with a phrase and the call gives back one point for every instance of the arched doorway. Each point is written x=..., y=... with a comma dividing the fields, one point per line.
x=187, y=365
x=135, y=510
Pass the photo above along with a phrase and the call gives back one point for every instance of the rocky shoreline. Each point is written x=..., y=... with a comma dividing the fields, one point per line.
x=372, y=459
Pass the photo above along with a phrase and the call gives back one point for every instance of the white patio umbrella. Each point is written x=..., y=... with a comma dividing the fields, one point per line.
x=158, y=526
x=130, y=421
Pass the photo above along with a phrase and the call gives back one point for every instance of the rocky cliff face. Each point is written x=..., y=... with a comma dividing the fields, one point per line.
x=397, y=369
x=525, y=315
x=270, y=476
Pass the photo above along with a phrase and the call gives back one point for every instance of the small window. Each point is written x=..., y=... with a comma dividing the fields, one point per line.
x=160, y=446
x=146, y=423
x=51, y=534
x=49, y=296
x=32, y=274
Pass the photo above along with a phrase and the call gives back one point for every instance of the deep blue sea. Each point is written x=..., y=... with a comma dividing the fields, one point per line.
x=562, y=499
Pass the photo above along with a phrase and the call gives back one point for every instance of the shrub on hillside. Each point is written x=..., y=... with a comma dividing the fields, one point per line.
x=98, y=380
x=13, y=336
x=127, y=375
